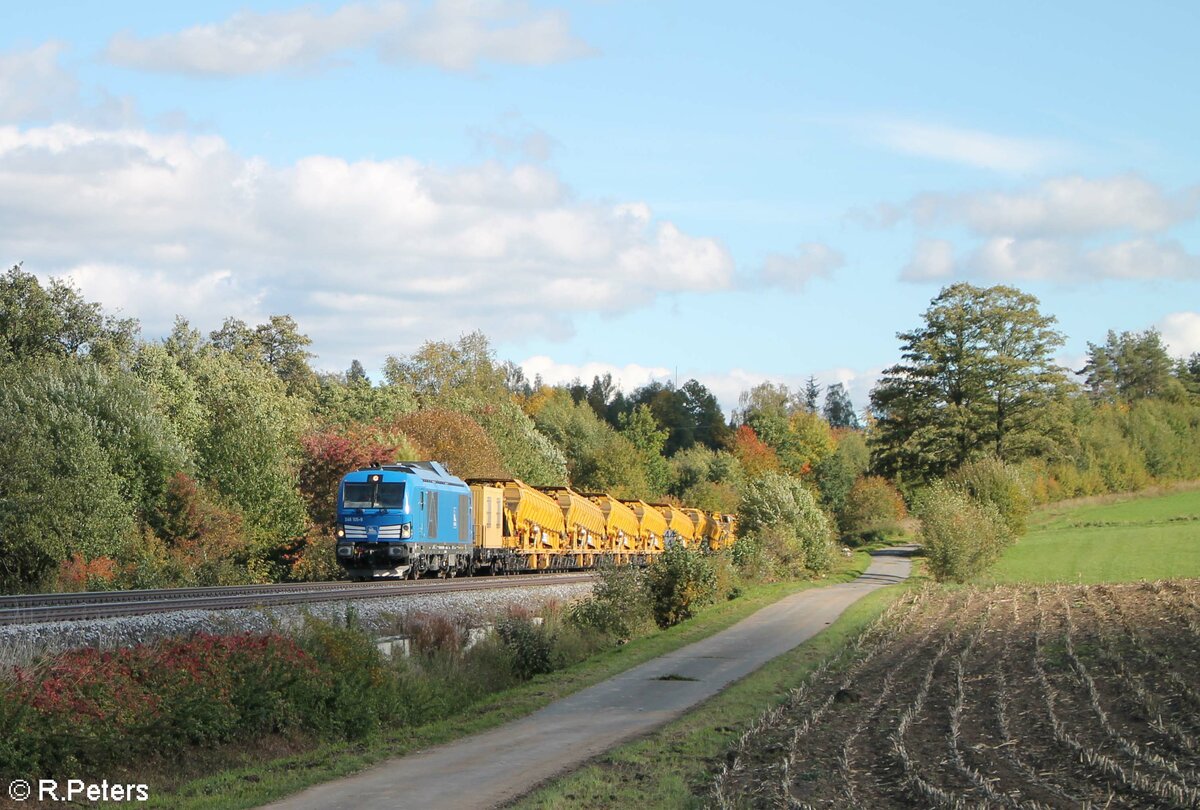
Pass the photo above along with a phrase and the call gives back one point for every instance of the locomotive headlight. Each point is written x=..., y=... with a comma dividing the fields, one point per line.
x=341, y=532
x=406, y=531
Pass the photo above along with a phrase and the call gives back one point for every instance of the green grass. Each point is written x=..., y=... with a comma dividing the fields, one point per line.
x=673, y=767
x=259, y=781
x=1152, y=537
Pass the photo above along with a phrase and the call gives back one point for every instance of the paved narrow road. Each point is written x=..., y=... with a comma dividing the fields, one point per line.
x=496, y=766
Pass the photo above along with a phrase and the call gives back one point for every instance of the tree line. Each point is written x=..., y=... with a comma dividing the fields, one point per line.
x=214, y=458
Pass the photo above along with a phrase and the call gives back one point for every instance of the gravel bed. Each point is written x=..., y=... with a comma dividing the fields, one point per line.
x=380, y=616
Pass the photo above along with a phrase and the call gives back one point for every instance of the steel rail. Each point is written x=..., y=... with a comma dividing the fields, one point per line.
x=111, y=604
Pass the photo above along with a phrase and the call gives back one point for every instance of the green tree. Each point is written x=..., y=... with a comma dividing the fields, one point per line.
x=961, y=536
x=837, y=472
x=249, y=449
x=59, y=493
x=839, y=410
x=1187, y=371
x=598, y=458
x=439, y=368
x=55, y=321
x=669, y=406
x=1129, y=366
x=278, y=344
x=172, y=391
x=526, y=451
x=812, y=394
x=600, y=394
x=711, y=429
x=978, y=378
x=644, y=433
x=343, y=401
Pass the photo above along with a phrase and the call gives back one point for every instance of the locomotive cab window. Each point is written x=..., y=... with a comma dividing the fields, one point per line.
x=391, y=496
x=358, y=496
x=383, y=495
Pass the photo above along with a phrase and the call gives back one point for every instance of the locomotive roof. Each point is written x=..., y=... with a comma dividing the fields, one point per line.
x=425, y=470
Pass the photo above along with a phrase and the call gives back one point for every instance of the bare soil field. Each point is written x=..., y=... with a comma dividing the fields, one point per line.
x=1013, y=696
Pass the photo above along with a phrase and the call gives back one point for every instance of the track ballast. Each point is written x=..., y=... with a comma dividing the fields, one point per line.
x=36, y=608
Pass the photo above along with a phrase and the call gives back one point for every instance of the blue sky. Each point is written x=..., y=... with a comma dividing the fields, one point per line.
x=764, y=191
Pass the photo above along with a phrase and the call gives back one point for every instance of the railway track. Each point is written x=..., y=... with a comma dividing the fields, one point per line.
x=31, y=609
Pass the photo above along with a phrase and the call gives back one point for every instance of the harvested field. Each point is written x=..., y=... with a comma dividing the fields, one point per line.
x=1049, y=696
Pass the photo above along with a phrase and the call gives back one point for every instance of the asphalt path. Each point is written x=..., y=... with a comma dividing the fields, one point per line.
x=497, y=766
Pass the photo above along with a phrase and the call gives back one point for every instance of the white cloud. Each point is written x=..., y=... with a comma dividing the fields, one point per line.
x=458, y=34
x=1061, y=207
x=933, y=260
x=1181, y=333
x=158, y=296
x=33, y=86
x=793, y=272
x=378, y=253
x=975, y=148
x=1068, y=229
x=451, y=34
x=1012, y=259
x=627, y=377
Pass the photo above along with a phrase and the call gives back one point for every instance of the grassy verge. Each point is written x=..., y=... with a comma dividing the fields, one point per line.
x=250, y=778
x=672, y=768
x=1156, y=536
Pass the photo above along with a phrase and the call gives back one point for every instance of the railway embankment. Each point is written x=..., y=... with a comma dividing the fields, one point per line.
x=139, y=618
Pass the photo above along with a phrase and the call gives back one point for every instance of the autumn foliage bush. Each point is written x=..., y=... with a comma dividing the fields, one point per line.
x=961, y=536
x=873, y=508
x=91, y=709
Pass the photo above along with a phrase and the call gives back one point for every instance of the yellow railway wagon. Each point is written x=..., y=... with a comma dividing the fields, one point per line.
x=652, y=526
x=533, y=528
x=621, y=527
x=679, y=523
x=585, y=536
x=705, y=526
x=725, y=531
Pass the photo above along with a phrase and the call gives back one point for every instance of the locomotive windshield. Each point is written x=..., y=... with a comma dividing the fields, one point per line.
x=383, y=495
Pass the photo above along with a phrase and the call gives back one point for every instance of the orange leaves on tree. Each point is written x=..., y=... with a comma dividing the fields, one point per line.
x=456, y=440
x=79, y=574
x=196, y=525
x=756, y=456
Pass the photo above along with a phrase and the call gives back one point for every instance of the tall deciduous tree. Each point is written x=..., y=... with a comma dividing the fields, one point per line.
x=978, y=378
x=467, y=368
x=278, y=343
x=55, y=321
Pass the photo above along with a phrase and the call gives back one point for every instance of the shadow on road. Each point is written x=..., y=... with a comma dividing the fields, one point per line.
x=896, y=552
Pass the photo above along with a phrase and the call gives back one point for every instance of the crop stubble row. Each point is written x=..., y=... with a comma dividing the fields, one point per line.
x=1056, y=696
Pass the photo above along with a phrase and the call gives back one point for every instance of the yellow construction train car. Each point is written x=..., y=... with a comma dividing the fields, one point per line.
x=621, y=527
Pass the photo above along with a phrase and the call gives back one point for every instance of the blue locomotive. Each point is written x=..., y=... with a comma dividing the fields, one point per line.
x=404, y=520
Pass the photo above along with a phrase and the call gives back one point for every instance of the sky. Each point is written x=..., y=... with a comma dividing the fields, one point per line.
x=660, y=190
